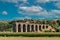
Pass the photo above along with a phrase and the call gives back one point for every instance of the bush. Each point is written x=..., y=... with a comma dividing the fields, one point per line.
x=30, y=34
x=47, y=30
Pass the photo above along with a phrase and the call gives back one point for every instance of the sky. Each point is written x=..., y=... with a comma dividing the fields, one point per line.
x=30, y=9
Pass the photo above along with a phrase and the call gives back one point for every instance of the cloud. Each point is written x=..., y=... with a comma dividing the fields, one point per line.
x=23, y=1
x=55, y=11
x=4, y=13
x=54, y=0
x=42, y=1
x=33, y=10
x=13, y=1
x=10, y=1
x=39, y=11
x=57, y=4
x=54, y=14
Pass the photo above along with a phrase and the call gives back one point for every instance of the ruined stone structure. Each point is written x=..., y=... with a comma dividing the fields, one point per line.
x=30, y=27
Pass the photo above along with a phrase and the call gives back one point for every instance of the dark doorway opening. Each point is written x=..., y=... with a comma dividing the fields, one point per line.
x=24, y=28
x=19, y=28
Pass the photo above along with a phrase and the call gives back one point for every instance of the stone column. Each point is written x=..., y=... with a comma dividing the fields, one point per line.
x=16, y=27
x=30, y=28
x=38, y=28
x=45, y=26
x=34, y=29
x=21, y=27
x=41, y=27
x=26, y=27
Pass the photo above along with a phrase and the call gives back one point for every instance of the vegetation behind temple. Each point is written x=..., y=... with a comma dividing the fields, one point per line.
x=7, y=26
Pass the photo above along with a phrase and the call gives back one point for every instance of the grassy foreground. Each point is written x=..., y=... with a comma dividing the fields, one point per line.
x=30, y=34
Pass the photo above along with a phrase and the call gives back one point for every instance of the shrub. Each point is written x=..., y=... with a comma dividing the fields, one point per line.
x=47, y=30
x=30, y=34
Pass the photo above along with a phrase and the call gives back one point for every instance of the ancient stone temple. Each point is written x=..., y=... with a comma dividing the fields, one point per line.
x=30, y=27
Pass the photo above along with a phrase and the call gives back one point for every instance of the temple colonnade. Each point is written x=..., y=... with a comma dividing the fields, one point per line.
x=27, y=27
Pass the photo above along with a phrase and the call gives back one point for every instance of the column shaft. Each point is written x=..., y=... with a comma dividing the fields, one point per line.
x=38, y=28
x=21, y=27
x=16, y=27
x=34, y=29
x=30, y=28
x=26, y=28
x=45, y=26
x=41, y=27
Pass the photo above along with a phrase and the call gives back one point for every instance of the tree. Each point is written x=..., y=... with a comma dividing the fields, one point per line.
x=5, y=27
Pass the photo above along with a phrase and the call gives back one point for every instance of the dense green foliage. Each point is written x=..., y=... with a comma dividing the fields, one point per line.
x=5, y=26
x=30, y=34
